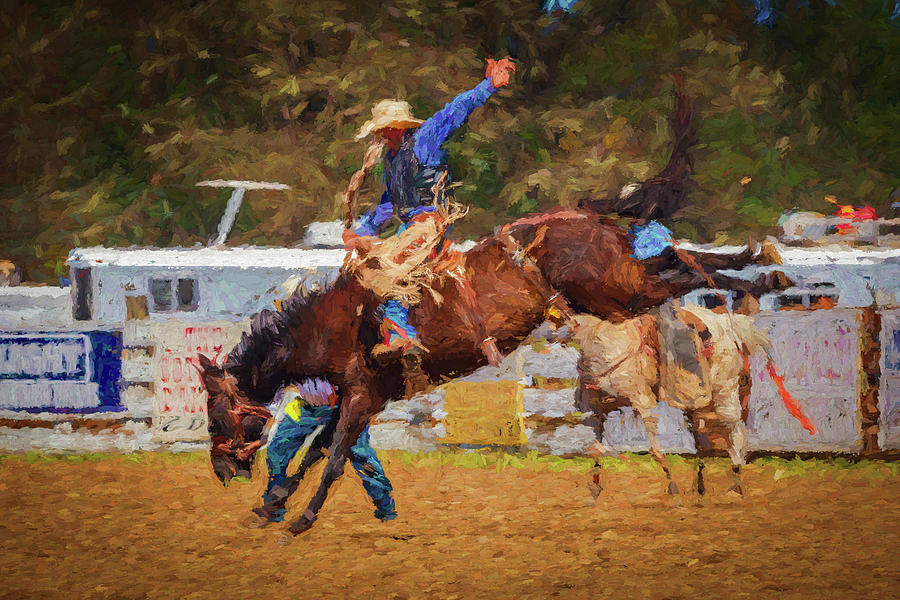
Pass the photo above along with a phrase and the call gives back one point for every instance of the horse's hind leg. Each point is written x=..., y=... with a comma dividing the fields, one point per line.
x=701, y=443
x=729, y=406
x=650, y=424
x=737, y=439
x=587, y=401
x=737, y=450
x=583, y=402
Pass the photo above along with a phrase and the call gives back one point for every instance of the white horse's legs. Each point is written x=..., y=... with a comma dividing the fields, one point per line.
x=737, y=450
x=650, y=424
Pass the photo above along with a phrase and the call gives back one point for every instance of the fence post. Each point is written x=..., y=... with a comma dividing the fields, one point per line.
x=869, y=376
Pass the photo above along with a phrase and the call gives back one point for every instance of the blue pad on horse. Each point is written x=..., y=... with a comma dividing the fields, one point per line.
x=650, y=240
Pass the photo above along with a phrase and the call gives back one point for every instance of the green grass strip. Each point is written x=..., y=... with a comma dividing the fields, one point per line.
x=487, y=458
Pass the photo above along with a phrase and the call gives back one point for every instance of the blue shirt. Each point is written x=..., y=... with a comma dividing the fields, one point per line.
x=434, y=132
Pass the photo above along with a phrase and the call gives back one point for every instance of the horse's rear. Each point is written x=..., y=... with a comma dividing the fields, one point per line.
x=483, y=294
x=587, y=258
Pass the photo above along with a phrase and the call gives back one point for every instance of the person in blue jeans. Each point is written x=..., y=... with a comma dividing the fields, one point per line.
x=315, y=405
x=414, y=161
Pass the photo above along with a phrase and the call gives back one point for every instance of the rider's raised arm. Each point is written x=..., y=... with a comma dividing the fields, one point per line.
x=435, y=131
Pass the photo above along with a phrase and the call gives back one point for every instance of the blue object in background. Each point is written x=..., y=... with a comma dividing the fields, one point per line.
x=106, y=358
x=65, y=358
x=765, y=13
x=650, y=240
x=551, y=6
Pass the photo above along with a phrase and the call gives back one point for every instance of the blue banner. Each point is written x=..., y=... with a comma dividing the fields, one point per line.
x=61, y=372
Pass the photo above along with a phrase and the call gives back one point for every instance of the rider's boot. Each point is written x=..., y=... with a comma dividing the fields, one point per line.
x=397, y=333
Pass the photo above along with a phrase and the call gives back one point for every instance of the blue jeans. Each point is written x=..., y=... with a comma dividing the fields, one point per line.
x=290, y=437
x=399, y=314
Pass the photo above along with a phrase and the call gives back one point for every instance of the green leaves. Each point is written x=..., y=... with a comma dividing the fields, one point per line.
x=116, y=111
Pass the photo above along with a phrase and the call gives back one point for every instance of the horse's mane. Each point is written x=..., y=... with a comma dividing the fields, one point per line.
x=270, y=330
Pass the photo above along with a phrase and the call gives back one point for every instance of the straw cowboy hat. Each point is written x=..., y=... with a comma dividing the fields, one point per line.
x=389, y=113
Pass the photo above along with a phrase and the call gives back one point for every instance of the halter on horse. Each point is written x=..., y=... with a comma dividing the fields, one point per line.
x=234, y=419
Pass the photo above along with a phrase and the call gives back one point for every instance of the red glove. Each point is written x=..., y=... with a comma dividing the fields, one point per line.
x=499, y=70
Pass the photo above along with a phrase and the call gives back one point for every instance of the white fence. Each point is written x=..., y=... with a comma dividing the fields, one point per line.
x=816, y=350
x=159, y=379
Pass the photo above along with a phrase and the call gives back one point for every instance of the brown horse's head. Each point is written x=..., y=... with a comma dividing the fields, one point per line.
x=235, y=426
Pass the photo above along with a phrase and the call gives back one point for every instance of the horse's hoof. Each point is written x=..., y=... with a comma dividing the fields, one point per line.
x=303, y=523
x=673, y=489
x=255, y=521
x=284, y=538
x=737, y=489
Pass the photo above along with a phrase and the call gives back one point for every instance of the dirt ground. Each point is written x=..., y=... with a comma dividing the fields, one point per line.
x=160, y=526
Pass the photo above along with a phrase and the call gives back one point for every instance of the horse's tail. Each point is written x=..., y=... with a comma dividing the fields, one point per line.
x=754, y=338
x=665, y=193
x=747, y=338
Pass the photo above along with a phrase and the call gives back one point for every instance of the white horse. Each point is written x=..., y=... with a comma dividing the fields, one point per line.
x=692, y=358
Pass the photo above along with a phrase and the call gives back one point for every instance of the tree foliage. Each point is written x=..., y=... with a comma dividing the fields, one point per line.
x=111, y=113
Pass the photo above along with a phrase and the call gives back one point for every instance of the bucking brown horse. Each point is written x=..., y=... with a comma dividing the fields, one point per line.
x=576, y=260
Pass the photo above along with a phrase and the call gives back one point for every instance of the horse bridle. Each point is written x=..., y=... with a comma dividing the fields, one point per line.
x=223, y=445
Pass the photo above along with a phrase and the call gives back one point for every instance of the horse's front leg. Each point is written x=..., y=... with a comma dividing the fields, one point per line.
x=276, y=501
x=348, y=429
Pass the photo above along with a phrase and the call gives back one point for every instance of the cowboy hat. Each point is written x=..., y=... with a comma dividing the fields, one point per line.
x=389, y=113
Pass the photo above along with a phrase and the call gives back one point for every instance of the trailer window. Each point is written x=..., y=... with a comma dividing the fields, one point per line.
x=186, y=291
x=161, y=290
x=173, y=294
x=84, y=295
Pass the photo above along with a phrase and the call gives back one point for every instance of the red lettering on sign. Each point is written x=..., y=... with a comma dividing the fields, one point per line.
x=182, y=392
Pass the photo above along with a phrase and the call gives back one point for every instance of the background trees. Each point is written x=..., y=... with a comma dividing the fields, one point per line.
x=109, y=113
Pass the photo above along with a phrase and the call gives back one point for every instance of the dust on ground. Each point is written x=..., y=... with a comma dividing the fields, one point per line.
x=160, y=526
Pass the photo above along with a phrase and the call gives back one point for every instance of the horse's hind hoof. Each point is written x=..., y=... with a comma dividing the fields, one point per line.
x=673, y=489
x=255, y=521
x=737, y=489
x=284, y=538
x=303, y=523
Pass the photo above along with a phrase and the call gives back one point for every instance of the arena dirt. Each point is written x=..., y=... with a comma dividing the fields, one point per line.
x=152, y=528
